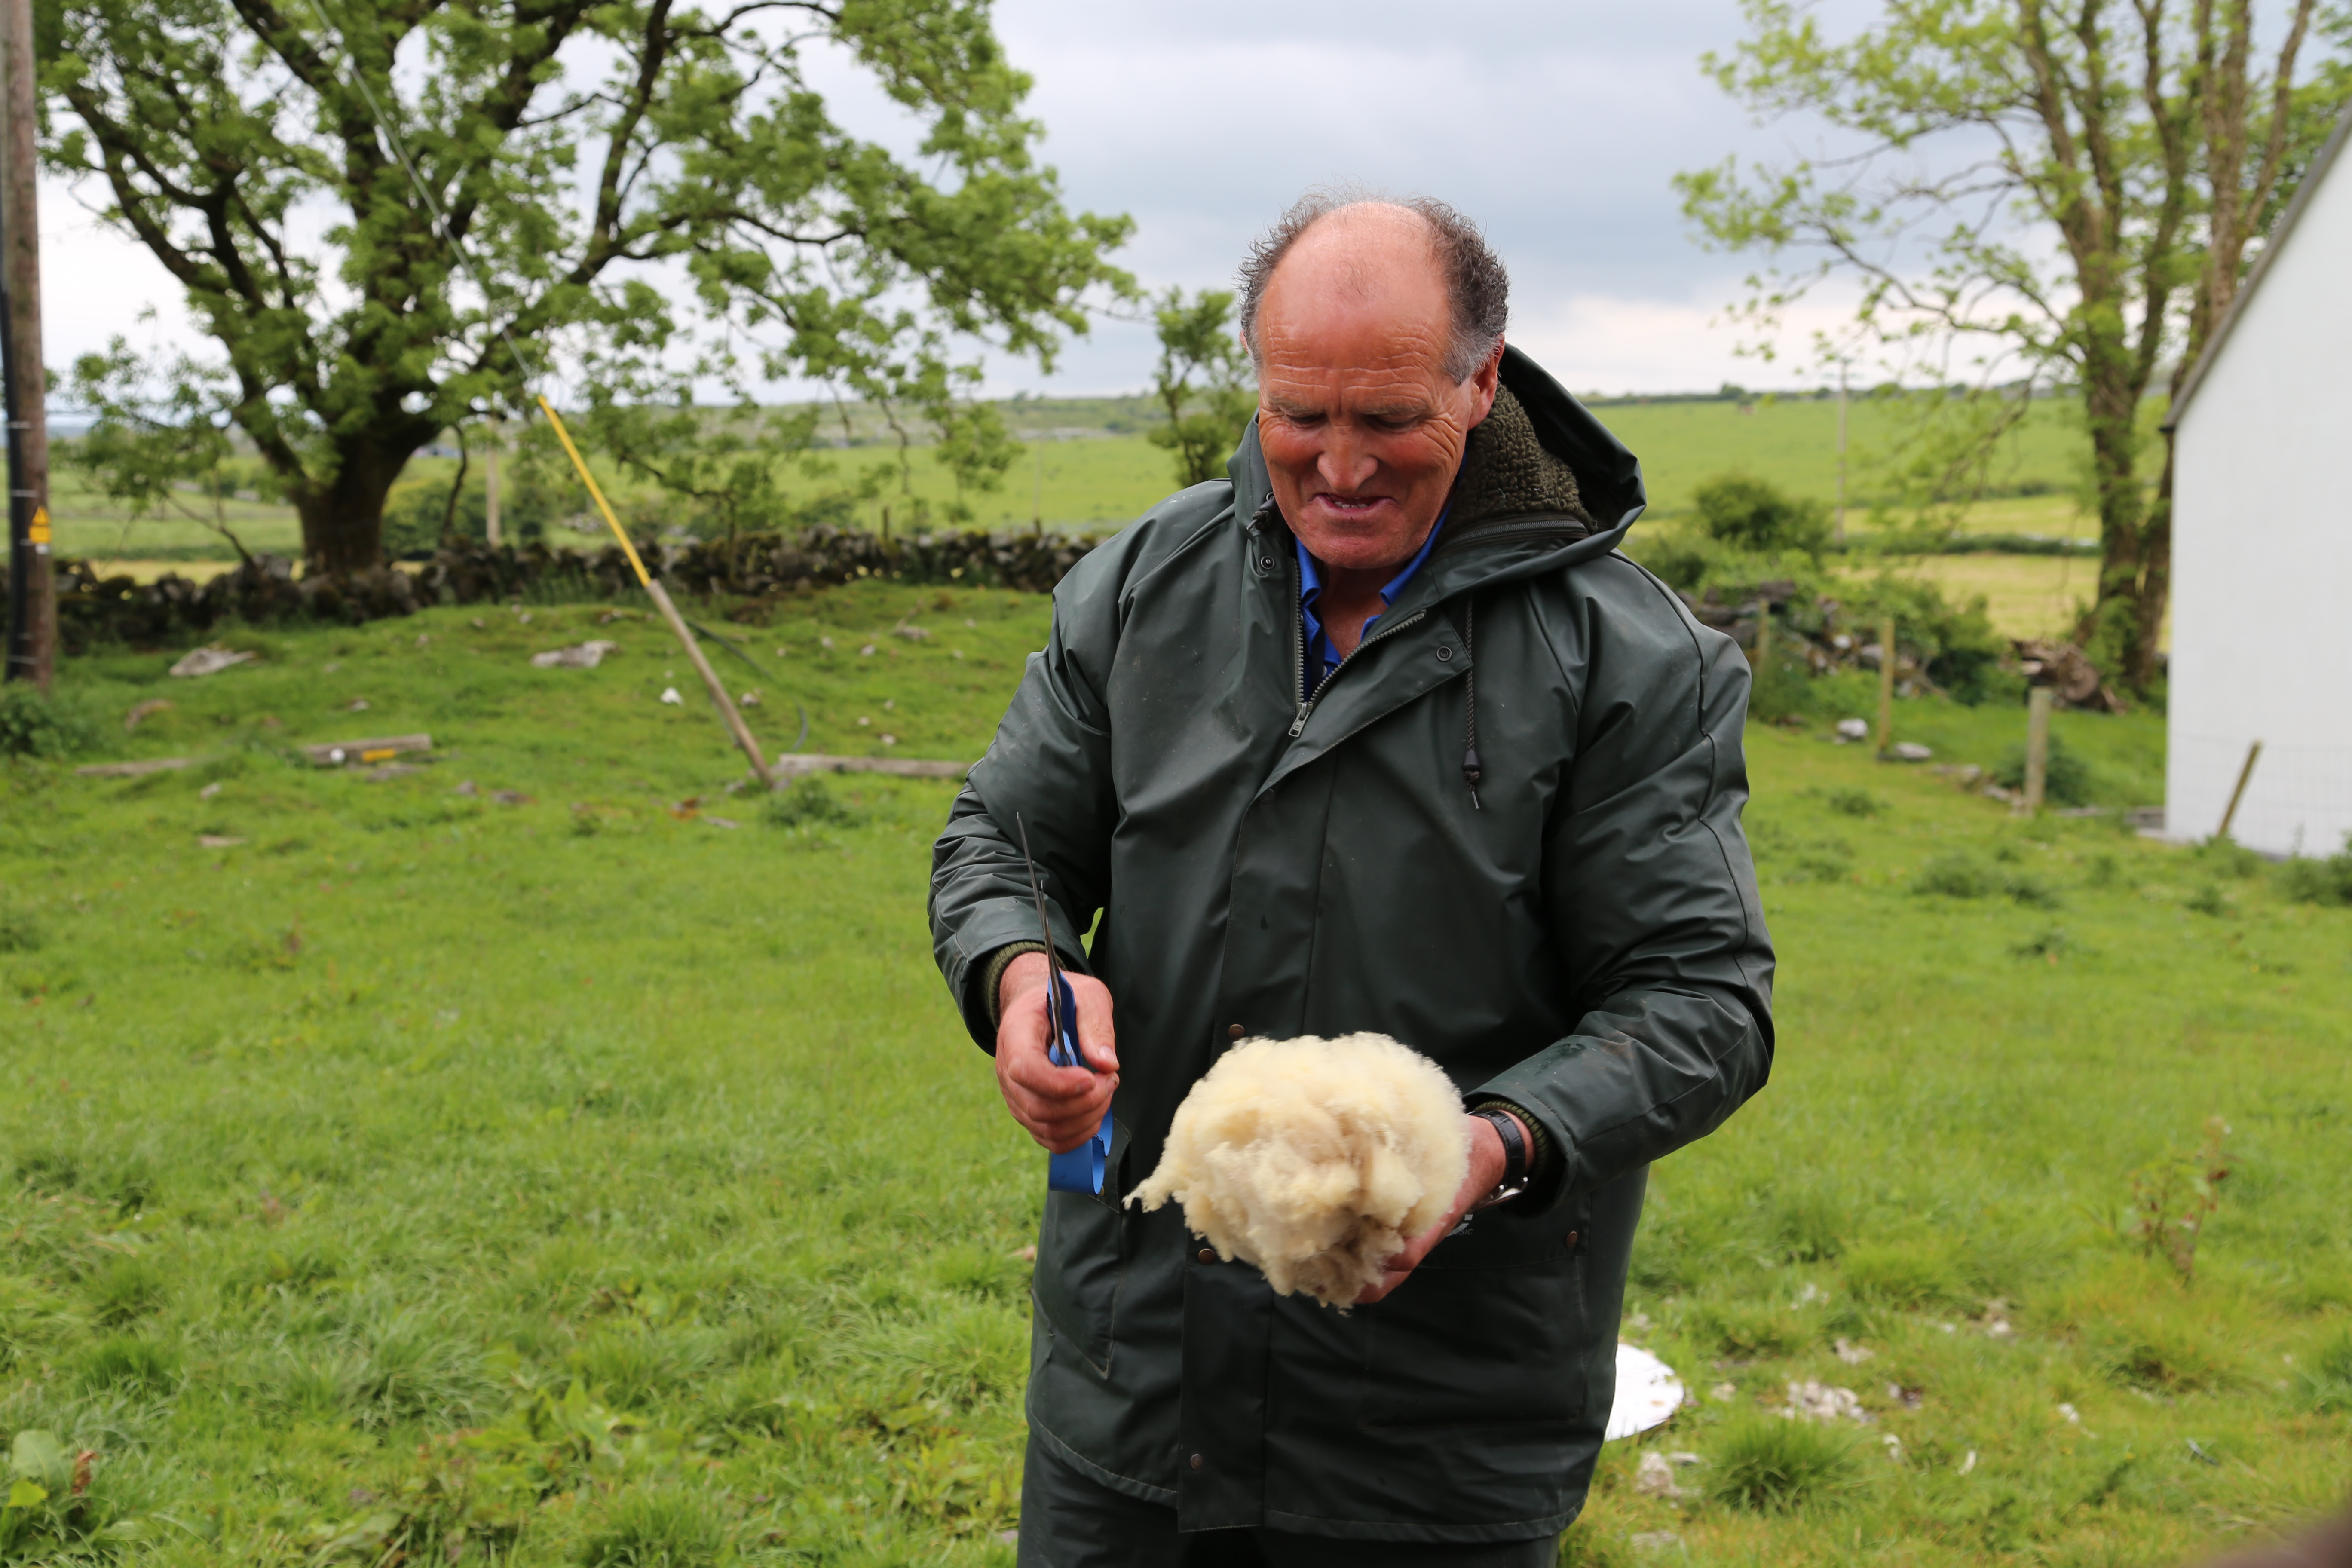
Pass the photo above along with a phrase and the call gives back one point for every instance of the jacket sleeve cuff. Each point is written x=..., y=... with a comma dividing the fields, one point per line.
x=991, y=977
x=1546, y=1167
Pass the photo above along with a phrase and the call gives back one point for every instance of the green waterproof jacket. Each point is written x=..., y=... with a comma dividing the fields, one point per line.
x=1583, y=940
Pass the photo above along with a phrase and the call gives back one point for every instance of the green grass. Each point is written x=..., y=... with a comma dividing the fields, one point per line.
x=583, y=1181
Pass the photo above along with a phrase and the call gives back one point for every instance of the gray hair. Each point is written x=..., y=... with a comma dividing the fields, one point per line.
x=1475, y=283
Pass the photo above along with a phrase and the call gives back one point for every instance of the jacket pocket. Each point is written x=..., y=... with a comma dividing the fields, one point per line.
x=1493, y=1329
x=1081, y=1262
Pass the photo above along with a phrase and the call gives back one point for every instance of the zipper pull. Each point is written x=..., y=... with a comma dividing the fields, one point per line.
x=1300, y=722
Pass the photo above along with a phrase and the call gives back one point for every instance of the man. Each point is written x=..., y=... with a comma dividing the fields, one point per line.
x=1380, y=734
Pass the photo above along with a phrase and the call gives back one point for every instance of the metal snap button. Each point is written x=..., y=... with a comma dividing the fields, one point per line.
x=1208, y=1255
x=1198, y=1461
x=1446, y=655
x=1234, y=1031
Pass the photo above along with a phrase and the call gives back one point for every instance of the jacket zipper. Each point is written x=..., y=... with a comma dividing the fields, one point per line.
x=1298, y=652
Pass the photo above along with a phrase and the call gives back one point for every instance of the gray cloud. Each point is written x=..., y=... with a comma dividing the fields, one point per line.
x=1556, y=125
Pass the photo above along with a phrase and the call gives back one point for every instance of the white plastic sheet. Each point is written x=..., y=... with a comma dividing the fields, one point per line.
x=1647, y=1392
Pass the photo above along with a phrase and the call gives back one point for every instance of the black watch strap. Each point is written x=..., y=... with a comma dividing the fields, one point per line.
x=1515, y=1152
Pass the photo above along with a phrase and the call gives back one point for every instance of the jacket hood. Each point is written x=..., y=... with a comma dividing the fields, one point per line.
x=1544, y=484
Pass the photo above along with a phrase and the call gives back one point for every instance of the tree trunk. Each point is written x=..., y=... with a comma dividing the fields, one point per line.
x=342, y=519
x=2155, y=580
x=2108, y=629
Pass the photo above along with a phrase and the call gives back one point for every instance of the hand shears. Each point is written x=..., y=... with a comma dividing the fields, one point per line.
x=1080, y=1170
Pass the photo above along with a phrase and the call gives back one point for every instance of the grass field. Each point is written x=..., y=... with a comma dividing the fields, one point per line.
x=1086, y=482
x=587, y=1166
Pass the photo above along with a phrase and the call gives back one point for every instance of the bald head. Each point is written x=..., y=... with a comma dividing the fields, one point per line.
x=1338, y=247
x=1368, y=383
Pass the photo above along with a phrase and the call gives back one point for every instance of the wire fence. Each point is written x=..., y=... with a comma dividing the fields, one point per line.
x=2298, y=801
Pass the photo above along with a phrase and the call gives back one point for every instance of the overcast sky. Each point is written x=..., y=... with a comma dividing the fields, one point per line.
x=1556, y=123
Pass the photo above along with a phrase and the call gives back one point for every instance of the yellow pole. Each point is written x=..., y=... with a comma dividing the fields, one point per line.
x=660, y=596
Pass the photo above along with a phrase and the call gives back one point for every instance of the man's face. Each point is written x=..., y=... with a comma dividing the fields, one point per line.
x=1361, y=427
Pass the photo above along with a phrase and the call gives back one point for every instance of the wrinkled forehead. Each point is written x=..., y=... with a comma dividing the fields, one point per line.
x=1380, y=309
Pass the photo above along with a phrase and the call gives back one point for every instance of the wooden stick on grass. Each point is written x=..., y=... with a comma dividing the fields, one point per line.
x=660, y=596
x=2253, y=755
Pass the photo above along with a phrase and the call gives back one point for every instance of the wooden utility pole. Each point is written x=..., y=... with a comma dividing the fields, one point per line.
x=32, y=592
x=490, y=478
x=2037, y=749
x=1886, y=685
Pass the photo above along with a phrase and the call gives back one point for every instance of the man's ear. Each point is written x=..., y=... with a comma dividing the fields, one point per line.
x=1484, y=383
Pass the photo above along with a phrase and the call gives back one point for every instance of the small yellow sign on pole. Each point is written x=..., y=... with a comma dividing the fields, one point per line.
x=39, y=534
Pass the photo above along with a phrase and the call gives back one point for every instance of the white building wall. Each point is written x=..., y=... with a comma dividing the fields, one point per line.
x=2261, y=617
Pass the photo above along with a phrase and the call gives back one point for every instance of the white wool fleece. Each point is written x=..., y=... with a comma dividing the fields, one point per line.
x=1315, y=1160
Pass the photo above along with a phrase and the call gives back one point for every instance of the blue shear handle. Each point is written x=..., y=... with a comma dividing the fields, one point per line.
x=1081, y=1169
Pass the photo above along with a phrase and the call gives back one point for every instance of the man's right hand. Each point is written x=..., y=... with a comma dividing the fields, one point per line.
x=1061, y=1107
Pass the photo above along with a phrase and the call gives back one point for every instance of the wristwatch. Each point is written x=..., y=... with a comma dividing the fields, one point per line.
x=1515, y=1158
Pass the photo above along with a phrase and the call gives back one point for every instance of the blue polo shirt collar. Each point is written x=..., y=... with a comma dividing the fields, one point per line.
x=1321, y=657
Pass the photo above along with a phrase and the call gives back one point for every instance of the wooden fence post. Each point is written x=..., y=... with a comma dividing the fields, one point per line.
x=2037, y=749
x=1886, y=685
x=2239, y=794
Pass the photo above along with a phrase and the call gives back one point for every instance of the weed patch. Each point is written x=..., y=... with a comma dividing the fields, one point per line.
x=1910, y=1275
x=1769, y=1465
x=2325, y=1382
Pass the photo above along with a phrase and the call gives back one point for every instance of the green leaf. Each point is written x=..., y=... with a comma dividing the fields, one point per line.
x=25, y=1494
x=38, y=1456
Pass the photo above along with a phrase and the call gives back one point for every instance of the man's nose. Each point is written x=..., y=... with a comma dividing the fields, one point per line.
x=1345, y=463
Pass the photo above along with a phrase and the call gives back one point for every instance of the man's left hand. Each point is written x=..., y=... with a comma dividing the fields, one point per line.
x=1486, y=1166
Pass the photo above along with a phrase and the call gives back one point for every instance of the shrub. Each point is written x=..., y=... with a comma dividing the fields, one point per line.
x=2160, y=1354
x=664, y=1528
x=2206, y=900
x=19, y=931
x=1811, y=1223
x=2228, y=858
x=1954, y=876
x=2313, y=881
x=123, y=1289
x=1770, y=1465
x=2033, y=892
x=1854, y=800
x=2326, y=1384
x=32, y=725
x=808, y=803
x=1749, y=514
x=1754, y=1330
x=1905, y=1276
x=2066, y=778
x=141, y=1364
x=2045, y=944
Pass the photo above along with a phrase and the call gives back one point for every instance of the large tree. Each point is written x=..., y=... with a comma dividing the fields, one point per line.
x=649, y=190
x=2072, y=189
